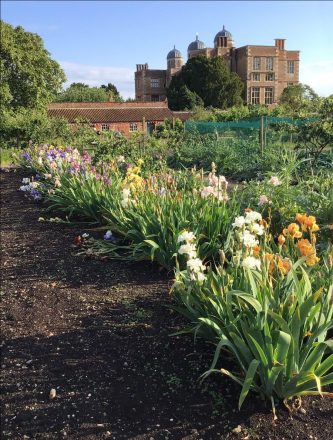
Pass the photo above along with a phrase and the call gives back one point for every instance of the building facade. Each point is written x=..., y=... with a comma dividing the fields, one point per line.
x=265, y=70
x=123, y=117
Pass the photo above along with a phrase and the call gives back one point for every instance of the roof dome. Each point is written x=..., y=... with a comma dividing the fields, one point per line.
x=174, y=53
x=197, y=44
x=222, y=33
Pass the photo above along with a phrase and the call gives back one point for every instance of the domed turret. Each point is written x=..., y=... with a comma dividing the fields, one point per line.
x=196, y=45
x=174, y=53
x=223, y=39
x=174, y=59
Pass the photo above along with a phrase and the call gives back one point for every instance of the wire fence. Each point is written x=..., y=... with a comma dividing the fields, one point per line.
x=267, y=130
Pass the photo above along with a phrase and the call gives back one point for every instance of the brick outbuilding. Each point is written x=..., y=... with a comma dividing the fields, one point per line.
x=124, y=117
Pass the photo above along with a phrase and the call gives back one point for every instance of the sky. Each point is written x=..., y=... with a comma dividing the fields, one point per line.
x=97, y=42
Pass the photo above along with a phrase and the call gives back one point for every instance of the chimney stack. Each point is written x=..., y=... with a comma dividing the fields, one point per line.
x=279, y=43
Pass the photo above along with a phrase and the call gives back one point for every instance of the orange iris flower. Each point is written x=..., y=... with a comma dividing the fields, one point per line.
x=284, y=265
x=256, y=250
x=307, y=250
x=281, y=240
x=307, y=222
x=270, y=259
x=293, y=231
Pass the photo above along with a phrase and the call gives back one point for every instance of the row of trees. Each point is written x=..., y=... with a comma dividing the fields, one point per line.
x=80, y=92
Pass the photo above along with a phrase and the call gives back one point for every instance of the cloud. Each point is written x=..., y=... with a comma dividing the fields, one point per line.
x=121, y=77
x=318, y=75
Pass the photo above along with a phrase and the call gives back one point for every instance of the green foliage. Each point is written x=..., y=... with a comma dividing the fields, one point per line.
x=180, y=97
x=153, y=224
x=6, y=156
x=29, y=77
x=299, y=100
x=208, y=78
x=79, y=92
x=24, y=125
x=84, y=198
x=113, y=92
x=169, y=129
x=317, y=137
x=237, y=113
x=236, y=157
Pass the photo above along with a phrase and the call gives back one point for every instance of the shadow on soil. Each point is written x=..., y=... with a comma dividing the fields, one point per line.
x=118, y=376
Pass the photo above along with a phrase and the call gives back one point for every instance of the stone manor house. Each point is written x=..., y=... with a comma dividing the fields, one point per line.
x=264, y=70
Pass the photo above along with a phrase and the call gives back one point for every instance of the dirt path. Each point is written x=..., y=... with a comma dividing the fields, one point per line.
x=98, y=333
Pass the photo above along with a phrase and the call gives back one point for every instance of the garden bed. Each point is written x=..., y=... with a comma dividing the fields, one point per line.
x=98, y=333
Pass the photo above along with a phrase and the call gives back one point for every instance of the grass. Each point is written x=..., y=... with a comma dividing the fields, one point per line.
x=6, y=156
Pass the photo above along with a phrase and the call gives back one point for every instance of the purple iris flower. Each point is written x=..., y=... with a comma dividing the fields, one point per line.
x=51, y=155
x=26, y=156
x=36, y=194
x=37, y=177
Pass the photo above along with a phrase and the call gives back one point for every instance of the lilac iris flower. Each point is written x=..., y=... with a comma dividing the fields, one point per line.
x=108, y=235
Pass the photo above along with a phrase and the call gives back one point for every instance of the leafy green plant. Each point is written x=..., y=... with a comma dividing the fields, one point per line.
x=153, y=223
x=84, y=198
x=273, y=320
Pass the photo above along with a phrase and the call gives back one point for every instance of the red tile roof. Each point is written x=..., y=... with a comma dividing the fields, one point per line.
x=145, y=104
x=109, y=112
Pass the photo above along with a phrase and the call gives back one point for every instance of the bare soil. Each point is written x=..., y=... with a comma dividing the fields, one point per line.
x=98, y=333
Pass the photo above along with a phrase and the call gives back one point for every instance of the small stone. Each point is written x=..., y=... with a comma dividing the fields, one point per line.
x=53, y=393
x=302, y=410
x=237, y=430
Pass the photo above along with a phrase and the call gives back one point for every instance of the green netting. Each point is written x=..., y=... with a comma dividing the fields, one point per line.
x=255, y=124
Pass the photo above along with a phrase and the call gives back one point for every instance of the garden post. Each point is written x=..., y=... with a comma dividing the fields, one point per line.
x=261, y=135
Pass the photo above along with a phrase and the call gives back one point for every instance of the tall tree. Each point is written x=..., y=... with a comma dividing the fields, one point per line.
x=79, y=92
x=299, y=99
x=180, y=96
x=29, y=77
x=113, y=92
x=211, y=80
